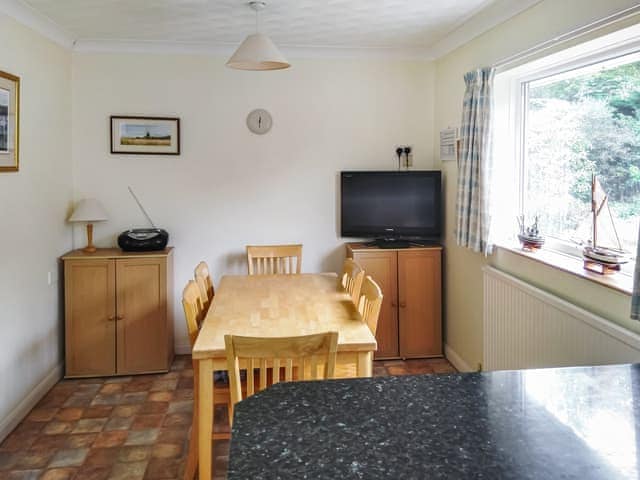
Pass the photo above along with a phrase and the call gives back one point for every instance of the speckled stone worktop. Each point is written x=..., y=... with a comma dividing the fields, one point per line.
x=531, y=424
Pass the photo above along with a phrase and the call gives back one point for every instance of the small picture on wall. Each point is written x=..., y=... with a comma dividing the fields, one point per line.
x=9, y=121
x=145, y=135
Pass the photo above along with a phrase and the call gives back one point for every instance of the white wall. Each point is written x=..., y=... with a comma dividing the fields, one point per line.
x=229, y=187
x=33, y=208
x=463, y=275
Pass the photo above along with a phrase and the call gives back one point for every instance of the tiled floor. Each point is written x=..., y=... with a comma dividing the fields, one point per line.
x=126, y=427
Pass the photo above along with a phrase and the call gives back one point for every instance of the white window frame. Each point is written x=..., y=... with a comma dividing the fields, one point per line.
x=511, y=88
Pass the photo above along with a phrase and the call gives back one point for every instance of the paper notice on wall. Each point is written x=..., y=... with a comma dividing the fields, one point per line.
x=448, y=138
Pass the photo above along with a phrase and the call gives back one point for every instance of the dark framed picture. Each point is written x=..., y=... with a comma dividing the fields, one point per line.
x=145, y=135
x=9, y=122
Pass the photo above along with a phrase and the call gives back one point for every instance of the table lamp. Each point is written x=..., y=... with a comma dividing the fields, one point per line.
x=89, y=210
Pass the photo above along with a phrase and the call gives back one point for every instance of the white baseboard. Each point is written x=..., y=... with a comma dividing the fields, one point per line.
x=456, y=360
x=16, y=415
x=182, y=349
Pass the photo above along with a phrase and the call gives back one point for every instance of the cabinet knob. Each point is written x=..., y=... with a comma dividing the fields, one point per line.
x=119, y=317
x=403, y=304
x=394, y=304
x=111, y=318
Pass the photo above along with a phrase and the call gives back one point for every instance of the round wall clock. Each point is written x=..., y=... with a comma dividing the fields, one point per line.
x=259, y=121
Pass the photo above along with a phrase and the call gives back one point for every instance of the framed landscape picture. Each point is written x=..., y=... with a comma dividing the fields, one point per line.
x=9, y=121
x=145, y=135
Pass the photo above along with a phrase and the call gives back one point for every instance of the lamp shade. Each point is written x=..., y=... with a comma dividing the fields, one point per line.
x=258, y=52
x=88, y=210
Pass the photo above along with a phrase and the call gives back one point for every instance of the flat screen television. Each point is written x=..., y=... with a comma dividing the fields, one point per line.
x=392, y=205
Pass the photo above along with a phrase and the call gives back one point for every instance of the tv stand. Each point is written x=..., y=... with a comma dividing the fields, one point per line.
x=390, y=243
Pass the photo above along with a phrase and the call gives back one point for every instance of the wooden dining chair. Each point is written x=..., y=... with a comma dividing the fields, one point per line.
x=370, y=303
x=205, y=284
x=274, y=259
x=352, y=277
x=194, y=314
x=313, y=355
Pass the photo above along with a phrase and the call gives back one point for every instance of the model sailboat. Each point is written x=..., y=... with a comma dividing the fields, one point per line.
x=601, y=259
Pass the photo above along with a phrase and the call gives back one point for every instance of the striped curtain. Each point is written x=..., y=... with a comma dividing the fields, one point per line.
x=474, y=163
x=635, y=296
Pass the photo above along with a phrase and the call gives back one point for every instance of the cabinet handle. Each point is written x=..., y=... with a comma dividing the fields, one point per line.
x=119, y=317
x=403, y=304
x=394, y=304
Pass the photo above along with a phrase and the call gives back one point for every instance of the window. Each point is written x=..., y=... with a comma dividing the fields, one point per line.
x=563, y=119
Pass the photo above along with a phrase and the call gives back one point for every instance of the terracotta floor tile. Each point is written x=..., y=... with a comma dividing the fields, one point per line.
x=98, y=411
x=125, y=410
x=134, y=454
x=81, y=440
x=58, y=428
x=183, y=394
x=111, y=409
x=69, y=414
x=90, y=425
x=113, y=438
x=28, y=460
x=101, y=457
x=128, y=471
x=111, y=388
x=87, y=472
x=149, y=408
x=160, y=469
x=142, y=437
x=160, y=396
x=58, y=474
x=118, y=423
x=42, y=414
x=49, y=443
x=69, y=458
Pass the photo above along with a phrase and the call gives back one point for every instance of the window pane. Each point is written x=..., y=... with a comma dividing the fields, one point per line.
x=579, y=123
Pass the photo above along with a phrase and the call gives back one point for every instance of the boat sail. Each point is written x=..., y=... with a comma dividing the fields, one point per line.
x=599, y=259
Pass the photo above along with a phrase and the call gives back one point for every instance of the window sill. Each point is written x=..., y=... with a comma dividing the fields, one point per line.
x=620, y=282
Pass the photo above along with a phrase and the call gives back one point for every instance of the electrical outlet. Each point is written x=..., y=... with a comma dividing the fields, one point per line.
x=49, y=278
x=408, y=160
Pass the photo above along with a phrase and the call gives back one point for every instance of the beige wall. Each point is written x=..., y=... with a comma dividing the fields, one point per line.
x=229, y=187
x=33, y=207
x=463, y=283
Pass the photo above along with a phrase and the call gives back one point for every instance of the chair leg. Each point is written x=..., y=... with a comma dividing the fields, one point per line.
x=192, y=457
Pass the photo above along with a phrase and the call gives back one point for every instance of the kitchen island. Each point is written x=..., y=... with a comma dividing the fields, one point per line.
x=564, y=423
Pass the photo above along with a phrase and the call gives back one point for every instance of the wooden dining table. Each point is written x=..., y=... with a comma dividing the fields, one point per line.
x=273, y=306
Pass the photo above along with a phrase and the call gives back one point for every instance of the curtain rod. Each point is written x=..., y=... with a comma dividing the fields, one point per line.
x=573, y=34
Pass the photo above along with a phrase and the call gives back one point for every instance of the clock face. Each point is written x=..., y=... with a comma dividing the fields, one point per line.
x=259, y=121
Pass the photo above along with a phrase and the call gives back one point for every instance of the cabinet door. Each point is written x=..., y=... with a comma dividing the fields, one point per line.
x=90, y=313
x=141, y=313
x=419, y=300
x=382, y=267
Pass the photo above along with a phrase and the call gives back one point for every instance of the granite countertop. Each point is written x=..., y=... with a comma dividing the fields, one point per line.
x=531, y=424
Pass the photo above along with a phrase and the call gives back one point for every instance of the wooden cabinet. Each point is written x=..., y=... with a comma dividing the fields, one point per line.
x=118, y=313
x=410, y=324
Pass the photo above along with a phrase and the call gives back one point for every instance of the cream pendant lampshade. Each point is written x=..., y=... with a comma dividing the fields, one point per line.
x=257, y=51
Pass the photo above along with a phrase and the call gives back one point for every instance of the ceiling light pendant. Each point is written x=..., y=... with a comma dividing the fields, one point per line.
x=257, y=51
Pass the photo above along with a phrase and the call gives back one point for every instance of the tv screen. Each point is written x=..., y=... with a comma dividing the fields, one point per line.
x=403, y=204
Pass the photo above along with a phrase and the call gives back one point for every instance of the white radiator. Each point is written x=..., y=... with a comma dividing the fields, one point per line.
x=525, y=327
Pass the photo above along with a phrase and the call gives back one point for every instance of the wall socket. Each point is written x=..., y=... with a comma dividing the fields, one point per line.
x=406, y=160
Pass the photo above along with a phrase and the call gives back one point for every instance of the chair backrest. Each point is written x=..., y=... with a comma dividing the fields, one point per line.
x=352, y=277
x=203, y=279
x=193, y=310
x=307, y=353
x=370, y=303
x=274, y=259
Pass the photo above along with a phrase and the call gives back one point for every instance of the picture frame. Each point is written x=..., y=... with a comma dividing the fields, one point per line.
x=9, y=122
x=135, y=135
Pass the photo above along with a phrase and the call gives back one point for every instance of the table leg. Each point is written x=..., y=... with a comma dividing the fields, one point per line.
x=365, y=364
x=206, y=419
x=192, y=455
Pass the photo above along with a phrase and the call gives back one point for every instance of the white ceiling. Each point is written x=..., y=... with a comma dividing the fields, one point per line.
x=362, y=24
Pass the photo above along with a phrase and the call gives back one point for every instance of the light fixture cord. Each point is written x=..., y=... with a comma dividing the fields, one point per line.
x=258, y=21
